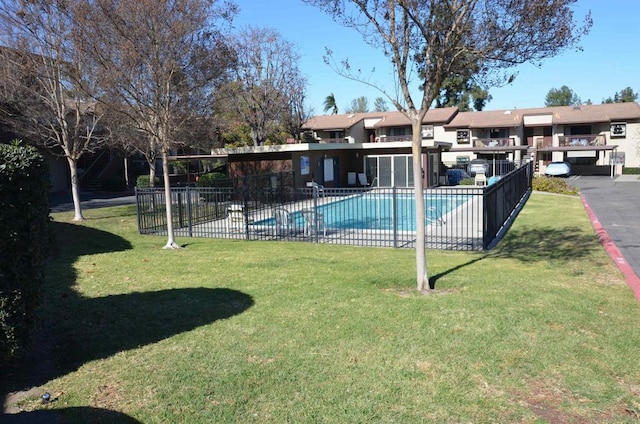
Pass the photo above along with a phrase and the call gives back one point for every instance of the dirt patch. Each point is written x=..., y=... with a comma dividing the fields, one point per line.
x=107, y=397
x=545, y=400
x=413, y=292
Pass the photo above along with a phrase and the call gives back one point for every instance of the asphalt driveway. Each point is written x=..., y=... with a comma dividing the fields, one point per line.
x=616, y=204
x=63, y=202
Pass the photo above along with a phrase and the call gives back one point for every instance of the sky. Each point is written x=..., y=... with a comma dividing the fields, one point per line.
x=608, y=62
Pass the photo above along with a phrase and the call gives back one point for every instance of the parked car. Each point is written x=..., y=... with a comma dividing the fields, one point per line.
x=558, y=169
x=478, y=165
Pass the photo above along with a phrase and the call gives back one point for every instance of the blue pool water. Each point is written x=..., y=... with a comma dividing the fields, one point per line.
x=376, y=211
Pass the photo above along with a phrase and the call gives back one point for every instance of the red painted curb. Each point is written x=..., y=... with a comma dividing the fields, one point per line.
x=614, y=253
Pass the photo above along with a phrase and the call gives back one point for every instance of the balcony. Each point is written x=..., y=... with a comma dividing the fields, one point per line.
x=589, y=140
x=492, y=142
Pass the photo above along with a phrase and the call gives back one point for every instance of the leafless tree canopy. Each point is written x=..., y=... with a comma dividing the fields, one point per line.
x=267, y=83
x=42, y=93
x=157, y=62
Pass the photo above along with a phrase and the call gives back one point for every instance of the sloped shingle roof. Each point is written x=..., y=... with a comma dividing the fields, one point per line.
x=433, y=116
x=487, y=119
x=387, y=119
x=561, y=115
x=596, y=113
x=451, y=118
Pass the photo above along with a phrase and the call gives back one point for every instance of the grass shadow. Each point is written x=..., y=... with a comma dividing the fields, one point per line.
x=434, y=278
x=77, y=414
x=107, y=325
x=537, y=244
x=74, y=330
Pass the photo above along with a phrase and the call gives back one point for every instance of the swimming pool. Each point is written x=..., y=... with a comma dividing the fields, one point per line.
x=371, y=211
x=376, y=211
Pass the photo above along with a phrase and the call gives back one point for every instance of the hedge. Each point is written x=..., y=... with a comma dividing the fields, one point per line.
x=26, y=237
x=214, y=179
x=144, y=181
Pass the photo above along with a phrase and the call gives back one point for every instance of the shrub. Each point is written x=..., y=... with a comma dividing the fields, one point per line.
x=214, y=179
x=143, y=181
x=553, y=185
x=26, y=236
x=631, y=171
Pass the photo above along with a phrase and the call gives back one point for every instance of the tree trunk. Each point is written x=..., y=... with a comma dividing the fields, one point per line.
x=75, y=189
x=127, y=183
x=171, y=242
x=152, y=173
x=421, y=257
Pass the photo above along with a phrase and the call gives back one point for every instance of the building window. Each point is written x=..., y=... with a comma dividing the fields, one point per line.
x=399, y=131
x=618, y=130
x=580, y=130
x=499, y=133
x=462, y=136
x=427, y=131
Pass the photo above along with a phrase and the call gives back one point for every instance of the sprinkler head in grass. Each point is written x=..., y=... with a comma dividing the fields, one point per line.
x=46, y=398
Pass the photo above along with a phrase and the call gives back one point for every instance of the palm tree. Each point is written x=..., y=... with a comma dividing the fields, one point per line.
x=330, y=104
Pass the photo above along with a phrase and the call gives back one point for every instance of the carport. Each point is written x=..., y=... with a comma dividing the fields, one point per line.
x=569, y=152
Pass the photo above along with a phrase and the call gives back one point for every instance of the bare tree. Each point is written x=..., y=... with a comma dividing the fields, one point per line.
x=433, y=39
x=42, y=83
x=266, y=80
x=297, y=114
x=158, y=63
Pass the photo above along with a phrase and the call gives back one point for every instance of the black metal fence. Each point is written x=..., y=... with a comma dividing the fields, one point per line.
x=270, y=208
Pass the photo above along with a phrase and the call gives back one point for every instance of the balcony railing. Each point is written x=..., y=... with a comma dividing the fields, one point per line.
x=492, y=142
x=582, y=140
x=540, y=141
x=332, y=140
x=389, y=138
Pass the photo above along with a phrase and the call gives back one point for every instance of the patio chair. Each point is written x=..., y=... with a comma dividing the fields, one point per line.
x=481, y=179
x=362, y=179
x=351, y=178
x=236, y=218
x=313, y=221
x=285, y=224
x=318, y=189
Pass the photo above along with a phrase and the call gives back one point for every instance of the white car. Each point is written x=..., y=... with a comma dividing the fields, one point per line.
x=558, y=169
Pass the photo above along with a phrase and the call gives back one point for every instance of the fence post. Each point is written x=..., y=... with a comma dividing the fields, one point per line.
x=189, y=221
x=394, y=211
x=245, y=208
x=180, y=219
x=136, y=190
x=316, y=192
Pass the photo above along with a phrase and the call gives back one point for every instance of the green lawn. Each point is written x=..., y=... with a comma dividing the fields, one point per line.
x=541, y=329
